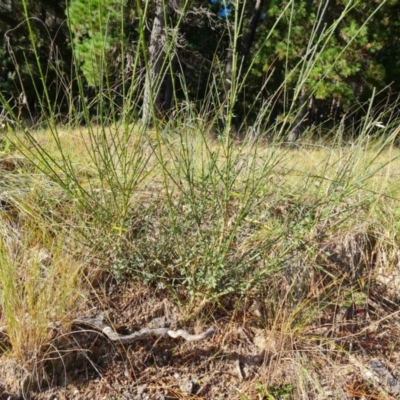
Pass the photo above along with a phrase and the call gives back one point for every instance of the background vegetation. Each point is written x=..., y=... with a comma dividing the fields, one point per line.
x=322, y=58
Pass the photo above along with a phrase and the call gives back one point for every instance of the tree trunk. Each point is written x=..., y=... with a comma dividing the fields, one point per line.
x=152, y=92
x=248, y=41
x=298, y=125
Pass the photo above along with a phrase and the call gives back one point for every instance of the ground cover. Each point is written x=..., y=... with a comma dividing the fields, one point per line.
x=291, y=253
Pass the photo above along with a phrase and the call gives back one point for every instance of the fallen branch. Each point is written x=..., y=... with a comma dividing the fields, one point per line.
x=97, y=324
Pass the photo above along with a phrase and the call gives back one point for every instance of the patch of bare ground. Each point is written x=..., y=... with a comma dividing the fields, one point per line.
x=348, y=351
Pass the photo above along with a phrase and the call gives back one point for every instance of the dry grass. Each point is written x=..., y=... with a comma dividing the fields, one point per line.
x=279, y=246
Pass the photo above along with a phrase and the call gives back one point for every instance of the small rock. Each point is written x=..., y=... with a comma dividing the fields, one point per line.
x=188, y=386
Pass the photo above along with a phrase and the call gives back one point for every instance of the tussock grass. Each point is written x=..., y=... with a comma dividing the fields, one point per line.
x=40, y=279
x=37, y=288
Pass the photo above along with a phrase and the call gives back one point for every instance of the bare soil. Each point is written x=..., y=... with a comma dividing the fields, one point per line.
x=243, y=360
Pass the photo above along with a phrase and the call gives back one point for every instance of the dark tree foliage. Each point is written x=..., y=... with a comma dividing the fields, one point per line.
x=350, y=49
x=23, y=65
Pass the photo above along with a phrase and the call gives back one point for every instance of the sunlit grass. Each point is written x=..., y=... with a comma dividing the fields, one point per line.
x=379, y=167
x=40, y=284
